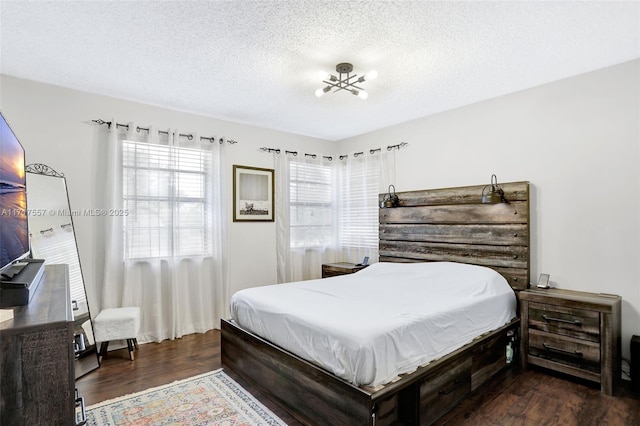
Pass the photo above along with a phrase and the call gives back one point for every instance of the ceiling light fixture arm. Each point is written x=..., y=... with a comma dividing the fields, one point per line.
x=343, y=84
x=343, y=81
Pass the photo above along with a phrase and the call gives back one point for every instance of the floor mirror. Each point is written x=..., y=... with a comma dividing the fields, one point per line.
x=52, y=238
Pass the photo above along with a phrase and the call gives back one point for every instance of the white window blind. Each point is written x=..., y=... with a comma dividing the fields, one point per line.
x=311, y=207
x=359, y=185
x=165, y=192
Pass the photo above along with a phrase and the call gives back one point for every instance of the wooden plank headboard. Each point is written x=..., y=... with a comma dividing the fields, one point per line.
x=451, y=224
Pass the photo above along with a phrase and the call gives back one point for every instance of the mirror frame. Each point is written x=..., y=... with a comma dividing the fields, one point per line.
x=84, y=358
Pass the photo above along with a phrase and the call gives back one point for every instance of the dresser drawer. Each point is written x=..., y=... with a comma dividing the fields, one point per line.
x=578, y=353
x=567, y=321
x=441, y=391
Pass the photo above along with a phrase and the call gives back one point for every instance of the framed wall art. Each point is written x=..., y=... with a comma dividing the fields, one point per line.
x=253, y=196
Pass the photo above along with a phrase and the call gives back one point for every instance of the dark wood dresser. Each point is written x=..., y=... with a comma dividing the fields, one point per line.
x=37, y=385
x=340, y=268
x=573, y=332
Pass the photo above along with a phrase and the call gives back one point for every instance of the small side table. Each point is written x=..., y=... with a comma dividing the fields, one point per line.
x=573, y=332
x=340, y=268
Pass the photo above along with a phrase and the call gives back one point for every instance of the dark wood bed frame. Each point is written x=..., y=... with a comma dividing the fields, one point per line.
x=431, y=225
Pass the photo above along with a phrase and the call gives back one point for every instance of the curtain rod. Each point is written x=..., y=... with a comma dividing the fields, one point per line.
x=189, y=136
x=342, y=157
x=294, y=153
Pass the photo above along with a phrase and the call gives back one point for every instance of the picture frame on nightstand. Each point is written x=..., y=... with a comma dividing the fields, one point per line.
x=543, y=281
x=365, y=262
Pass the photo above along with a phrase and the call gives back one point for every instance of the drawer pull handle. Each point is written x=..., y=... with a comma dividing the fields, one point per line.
x=553, y=348
x=456, y=384
x=574, y=322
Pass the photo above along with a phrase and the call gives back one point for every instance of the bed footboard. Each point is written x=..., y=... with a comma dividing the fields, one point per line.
x=312, y=395
x=316, y=397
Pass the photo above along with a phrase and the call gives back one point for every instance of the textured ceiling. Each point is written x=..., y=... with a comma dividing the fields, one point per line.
x=256, y=62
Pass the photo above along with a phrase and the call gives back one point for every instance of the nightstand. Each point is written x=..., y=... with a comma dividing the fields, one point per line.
x=340, y=268
x=573, y=332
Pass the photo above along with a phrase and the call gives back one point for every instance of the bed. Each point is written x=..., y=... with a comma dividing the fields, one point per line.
x=444, y=226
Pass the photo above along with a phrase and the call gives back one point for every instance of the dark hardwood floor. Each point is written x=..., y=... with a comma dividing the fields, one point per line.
x=161, y=363
x=514, y=397
x=541, y=397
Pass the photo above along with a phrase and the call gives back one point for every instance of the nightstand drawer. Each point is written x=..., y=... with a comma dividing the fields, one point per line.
x=566, y=350
x=572, y=322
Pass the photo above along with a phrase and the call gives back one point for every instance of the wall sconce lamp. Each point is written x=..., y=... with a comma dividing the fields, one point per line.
x=390, y=199
x=495, y=194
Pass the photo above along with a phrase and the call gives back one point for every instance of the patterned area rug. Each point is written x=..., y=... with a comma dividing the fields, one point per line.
x=208, y=399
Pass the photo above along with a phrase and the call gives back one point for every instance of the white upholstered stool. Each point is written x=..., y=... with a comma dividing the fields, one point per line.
x=117, y=324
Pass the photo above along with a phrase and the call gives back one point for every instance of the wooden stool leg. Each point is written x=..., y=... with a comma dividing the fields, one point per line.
x=130, y=346
x=103, y=350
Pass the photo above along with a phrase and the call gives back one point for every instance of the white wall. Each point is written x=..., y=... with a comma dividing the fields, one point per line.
x=54, y=126
x=577, y=141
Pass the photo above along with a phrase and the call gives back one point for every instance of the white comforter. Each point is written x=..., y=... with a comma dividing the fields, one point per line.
x=382, y=321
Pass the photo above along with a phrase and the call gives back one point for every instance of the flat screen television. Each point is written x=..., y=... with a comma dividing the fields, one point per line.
x=14, y=230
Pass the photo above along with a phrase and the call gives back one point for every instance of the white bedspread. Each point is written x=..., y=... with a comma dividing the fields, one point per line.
x=382, y=321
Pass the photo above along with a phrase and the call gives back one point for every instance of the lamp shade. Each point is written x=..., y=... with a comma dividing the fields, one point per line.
x=390, y=199
x=492, y=197
x=494, y=194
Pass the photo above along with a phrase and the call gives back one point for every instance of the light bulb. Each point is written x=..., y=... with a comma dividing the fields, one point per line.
x=323, y=75
x=372, y=75
x=322, y=91
x=362, y=94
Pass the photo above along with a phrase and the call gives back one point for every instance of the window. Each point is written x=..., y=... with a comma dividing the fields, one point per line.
x=165, y=194
x=311, y=208
x=320, y=219
x=358, y=209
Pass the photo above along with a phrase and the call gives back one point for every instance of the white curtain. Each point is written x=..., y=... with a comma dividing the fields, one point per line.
x=179, y=293
x=304, y=216
x=283, y=232
x=360, y=180
x=327, y=211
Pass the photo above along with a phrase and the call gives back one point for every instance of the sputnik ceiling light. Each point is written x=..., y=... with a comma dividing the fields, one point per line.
x=345, y=81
